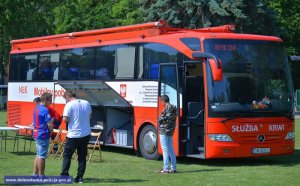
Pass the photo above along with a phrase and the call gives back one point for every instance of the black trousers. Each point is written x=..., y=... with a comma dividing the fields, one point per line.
x=72, y=144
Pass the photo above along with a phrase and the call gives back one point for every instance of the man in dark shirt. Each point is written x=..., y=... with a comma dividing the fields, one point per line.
x=167, y=121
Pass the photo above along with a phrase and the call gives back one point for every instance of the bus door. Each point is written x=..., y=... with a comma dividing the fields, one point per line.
x=168, y=85
x=193, y=110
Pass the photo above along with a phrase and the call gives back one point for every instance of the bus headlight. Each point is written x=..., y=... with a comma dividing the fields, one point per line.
x=290, y=135
x=220, y=137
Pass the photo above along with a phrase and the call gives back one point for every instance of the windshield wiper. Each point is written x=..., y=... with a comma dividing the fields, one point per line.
x=235, y=116
x=259, y=114
x=288, y=115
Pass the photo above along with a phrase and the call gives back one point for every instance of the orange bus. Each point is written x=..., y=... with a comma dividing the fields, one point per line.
x=233, y=92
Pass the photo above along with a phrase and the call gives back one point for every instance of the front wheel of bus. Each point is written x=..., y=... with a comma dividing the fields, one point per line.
x=148, y=143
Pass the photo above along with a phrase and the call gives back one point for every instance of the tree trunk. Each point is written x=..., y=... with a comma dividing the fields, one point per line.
x=2, y=71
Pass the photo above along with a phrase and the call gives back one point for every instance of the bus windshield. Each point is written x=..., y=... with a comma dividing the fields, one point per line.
x=256, y=79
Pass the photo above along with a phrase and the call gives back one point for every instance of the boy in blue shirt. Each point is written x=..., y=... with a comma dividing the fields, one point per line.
x=43, y=127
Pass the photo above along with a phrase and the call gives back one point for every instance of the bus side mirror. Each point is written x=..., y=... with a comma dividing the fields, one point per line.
x=216, y=69
x=214, y=63
x=294, y=58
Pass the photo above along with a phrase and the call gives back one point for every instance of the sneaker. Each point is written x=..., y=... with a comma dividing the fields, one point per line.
x=78, y=180
x=162, y=171
x=172, y=171
x=42, y=177
x=35, y=176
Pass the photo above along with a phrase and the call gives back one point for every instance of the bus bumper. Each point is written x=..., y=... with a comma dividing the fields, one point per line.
x=234, y=150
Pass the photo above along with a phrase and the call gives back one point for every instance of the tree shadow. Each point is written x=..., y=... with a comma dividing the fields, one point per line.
x=200, y=170
x=23, y=153
x=285, y=161
x=119, y=150
x=113, y=180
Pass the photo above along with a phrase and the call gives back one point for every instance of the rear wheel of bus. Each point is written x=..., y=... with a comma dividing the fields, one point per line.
x=148, y=142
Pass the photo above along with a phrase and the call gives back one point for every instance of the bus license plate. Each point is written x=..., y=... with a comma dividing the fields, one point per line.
x=261, y=150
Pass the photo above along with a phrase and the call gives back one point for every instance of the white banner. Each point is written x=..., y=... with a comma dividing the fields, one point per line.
x=26, y=91
x=137, y=93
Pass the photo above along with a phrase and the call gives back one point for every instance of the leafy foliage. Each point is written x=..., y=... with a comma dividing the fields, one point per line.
x=249, y=16
x=288, y=12
x=22, y=19
x=77, y=15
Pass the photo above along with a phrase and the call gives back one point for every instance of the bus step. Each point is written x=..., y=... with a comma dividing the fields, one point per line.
x=200, y=149
x=199, y=156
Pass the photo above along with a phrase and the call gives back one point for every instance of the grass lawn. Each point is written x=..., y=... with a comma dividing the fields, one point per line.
x=122, y=167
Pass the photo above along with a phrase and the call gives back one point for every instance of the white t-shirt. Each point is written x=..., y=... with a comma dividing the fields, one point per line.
x=79, y=113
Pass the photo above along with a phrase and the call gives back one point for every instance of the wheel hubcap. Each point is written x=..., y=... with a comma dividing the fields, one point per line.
x=149, y=142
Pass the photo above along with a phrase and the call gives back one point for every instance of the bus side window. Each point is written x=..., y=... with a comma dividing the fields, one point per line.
x=105, y=63
x=124, y=63
x=77, y=64
x=115, y=62
x=48, y=66
x=153, y=55
x=23, y=67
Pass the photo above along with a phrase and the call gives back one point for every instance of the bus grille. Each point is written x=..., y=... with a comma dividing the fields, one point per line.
x=14, y=114
x=253, y=138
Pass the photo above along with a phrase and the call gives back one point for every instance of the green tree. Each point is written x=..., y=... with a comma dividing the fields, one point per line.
x=22, y=19
x=78, y=15
x=127, y=12
x=249, y=16
x=288, y=12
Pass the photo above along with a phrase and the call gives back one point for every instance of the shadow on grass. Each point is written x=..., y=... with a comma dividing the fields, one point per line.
x=112, y=180
x=119, y=150
x=23, y=153
x=284, y=161
x=288, y=160
x=200, y=170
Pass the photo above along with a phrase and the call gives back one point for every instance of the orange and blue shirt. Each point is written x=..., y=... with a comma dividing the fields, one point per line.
x=41, y=117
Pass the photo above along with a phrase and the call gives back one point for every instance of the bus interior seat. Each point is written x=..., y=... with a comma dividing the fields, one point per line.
x=124, y=63
x=195, y=113
x=73, y=73
x=154, y=71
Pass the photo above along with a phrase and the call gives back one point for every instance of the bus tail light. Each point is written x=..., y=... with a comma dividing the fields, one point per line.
x=220, y=137
x=290, y=135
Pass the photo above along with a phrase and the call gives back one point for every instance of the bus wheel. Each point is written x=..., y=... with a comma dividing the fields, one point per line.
x=148, y=143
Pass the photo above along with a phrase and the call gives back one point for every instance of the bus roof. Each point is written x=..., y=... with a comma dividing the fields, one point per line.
x=131, y=33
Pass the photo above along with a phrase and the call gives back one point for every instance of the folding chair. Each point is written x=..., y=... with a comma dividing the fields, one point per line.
x=95, y=144
x=61, y=144
x=55, y=141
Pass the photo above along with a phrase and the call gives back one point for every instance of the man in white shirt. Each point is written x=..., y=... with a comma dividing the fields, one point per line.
x=77, y=114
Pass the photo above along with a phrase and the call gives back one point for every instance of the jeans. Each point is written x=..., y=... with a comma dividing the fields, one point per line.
x=72, y=144
x=168, y=152
x=42, y=148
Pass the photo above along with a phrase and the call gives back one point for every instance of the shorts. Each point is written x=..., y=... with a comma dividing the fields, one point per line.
x=42, y=148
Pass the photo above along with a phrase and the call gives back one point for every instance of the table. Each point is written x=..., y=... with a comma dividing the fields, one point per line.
x=28, y=135
x=24, y=127
x=4, y=136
